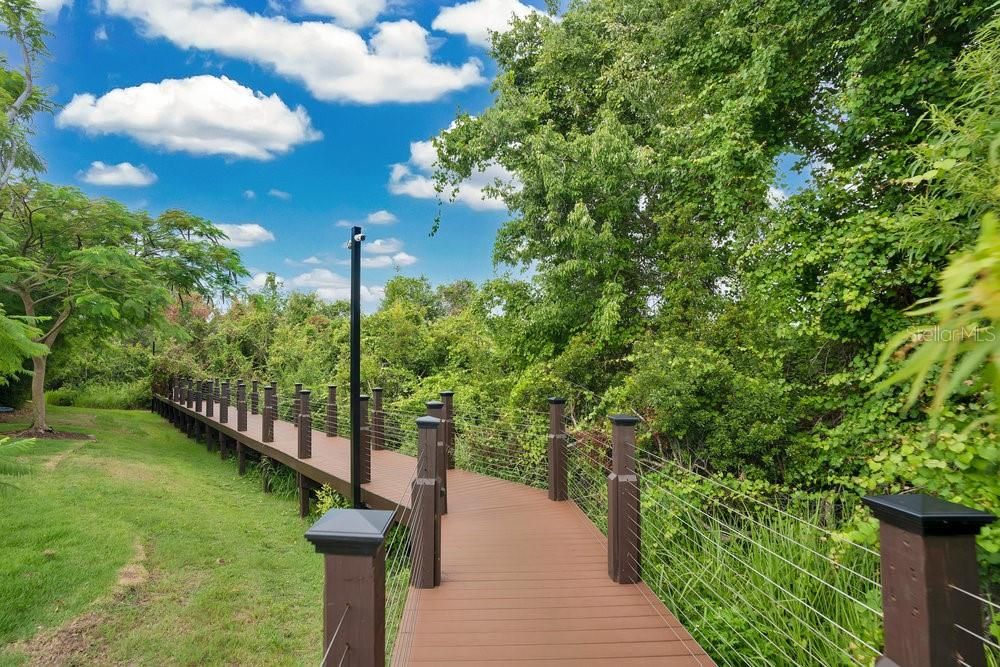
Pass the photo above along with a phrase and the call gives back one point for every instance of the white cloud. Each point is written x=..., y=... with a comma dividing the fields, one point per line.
x=331, y=286
x=312, y=260
x=383, y=246
x=124, y=174
x=245, y=235
x=381, y=217
x=101, y=34
x=386, y=261
x=259, y=279
x=202, y=115
x=53, y=5
x=477, y=19
x=279, y=194
x=775, y=196
x=348, y=13
x=415, y=179
x=249, y=194
x=333, y=62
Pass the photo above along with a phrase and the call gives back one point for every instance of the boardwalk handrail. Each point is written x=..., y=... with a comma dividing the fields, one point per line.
x=931, y=612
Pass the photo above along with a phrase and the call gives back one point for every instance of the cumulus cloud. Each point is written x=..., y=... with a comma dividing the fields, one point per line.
x=53, y=5
x=415, y=179
x=332, y=286
x=381, y=217
x=279, y=194
x=477, y=19
x=123, y=174
x=383, y=246
x=249, y=194
x=202, y=115
x=101, y=34
x=245, y=235
x=348, y=13
x=312, y=260
x=386, y=261
x=259, y=280
x=332, y=61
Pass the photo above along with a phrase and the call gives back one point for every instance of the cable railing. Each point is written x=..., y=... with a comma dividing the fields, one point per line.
x=755, y=578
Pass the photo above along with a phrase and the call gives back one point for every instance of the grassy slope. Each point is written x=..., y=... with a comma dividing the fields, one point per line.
x=231, y=579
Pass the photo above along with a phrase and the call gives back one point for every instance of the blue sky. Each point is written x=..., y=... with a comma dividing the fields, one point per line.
x=284, y=116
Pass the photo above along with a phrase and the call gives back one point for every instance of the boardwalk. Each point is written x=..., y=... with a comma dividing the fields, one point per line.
x=524, y=579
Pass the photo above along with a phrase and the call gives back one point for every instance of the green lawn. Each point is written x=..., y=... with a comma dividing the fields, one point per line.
x=140, y=547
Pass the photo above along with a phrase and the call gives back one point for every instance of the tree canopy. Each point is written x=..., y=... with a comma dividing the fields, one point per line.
x=93, y=266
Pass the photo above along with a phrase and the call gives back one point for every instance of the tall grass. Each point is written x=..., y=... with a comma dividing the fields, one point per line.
x=754, y=584
x=127, y=396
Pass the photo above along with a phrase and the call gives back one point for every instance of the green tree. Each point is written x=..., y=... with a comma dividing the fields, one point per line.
x=20, y=98
x=94, y=268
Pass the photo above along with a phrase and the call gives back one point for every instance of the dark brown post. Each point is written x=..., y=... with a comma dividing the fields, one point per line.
x=447, y=397
x=224, y=403
x=436, y=409
x=623, y=503
x=303, y=495
x=267, y=420
x=241, y=406
x=224, y=445
x=930, y=581
x=378, y=420
x=255, y=398
x=198, y=389
x=558, y=487
x=366, y=441
x=425, y=521
x=305, y=403
x=210, y=399
x=331, y=410
x=241, y=457
x=353, y=546
x=296, y=410
x=189, y=393
x=305, y=431
x=218, y=390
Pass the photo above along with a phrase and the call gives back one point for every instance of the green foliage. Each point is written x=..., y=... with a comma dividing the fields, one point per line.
x=10, y=466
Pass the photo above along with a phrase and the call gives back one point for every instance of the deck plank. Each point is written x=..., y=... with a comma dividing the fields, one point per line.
x=524, y=579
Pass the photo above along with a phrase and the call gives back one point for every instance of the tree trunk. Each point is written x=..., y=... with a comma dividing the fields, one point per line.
x=40, y=425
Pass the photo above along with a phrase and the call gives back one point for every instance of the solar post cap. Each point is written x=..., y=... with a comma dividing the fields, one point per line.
x=927, y=515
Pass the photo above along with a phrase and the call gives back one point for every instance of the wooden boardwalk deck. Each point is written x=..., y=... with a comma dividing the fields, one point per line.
x=523, y=579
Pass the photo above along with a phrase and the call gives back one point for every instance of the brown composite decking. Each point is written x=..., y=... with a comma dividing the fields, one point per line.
x=523, y=579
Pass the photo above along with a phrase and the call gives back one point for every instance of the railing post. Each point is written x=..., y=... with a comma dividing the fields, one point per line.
x=218, y=390
x=305, y=427
x=296, y=409
x=224, y=403
x=267, y=421
x=198, y=389
x=447, y=397
x=353, y=546
x=366, y=441
x=624, y=551
x=558, y=487
x=436, y=409
x=241, y=406
x=425, y=520
x=331, y=410
x=210, y=399
x=188, y=393
x=930, y=581
x=255, y=398
x=304, y=488
x=378, y=420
